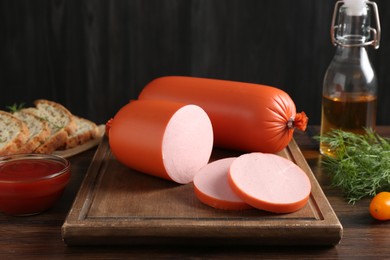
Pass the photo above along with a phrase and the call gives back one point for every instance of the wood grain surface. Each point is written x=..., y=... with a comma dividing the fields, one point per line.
x=118, y=206
x=39, y=236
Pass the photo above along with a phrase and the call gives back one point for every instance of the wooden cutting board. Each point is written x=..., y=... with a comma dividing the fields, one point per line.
x=119, y=206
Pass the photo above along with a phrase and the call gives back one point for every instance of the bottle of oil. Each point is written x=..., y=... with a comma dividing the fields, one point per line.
x=349, y=97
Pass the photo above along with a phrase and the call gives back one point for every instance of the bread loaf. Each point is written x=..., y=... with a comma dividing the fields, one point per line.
x=60, y=121
x=38, y=128
x=85, y=130
x=13, y=133
x=47, y=127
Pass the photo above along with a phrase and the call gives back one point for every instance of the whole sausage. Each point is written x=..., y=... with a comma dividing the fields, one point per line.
x=245, y=116
x=165, y=139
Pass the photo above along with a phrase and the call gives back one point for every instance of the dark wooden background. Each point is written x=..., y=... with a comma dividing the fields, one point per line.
x=95, y=55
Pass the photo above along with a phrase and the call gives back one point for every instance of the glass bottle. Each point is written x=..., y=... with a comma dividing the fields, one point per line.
x=349, y=97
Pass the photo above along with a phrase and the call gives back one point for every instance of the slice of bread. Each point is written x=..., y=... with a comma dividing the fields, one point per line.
x=13, y=133
x=38, y=128
x=86, y=130
x=60, y=121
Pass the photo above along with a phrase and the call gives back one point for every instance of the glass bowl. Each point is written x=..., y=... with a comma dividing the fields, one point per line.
x=31, y=183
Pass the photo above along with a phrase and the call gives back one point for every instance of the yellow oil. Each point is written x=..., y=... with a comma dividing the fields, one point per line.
x=350, y=113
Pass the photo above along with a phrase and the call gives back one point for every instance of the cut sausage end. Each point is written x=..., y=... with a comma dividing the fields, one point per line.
x=187, y=143
x=211, y=187
x=269, y=182
x=164, y=139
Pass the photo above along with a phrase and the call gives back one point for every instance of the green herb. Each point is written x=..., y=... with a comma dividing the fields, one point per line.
x=361, y=163
x=16, y=107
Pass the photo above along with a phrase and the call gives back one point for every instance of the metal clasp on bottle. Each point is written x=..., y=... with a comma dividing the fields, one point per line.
x=375, y=33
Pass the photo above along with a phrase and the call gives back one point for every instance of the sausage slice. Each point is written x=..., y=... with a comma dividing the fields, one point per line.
x=269, y=182
x=212, y=188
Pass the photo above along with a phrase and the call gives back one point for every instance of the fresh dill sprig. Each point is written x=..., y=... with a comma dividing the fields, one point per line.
x=15, y=107
x=361, y=163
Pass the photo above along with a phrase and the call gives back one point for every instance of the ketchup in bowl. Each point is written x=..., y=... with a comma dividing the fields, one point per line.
x=31, y=183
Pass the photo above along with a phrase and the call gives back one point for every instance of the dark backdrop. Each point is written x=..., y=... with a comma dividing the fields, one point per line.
x=95, y=55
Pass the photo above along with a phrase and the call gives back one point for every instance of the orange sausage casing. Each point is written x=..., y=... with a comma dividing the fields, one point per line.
x=245, y=116
x=166, y=139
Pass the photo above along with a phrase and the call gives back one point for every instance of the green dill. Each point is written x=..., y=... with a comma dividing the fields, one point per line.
x=15, y=107
x=361, y=163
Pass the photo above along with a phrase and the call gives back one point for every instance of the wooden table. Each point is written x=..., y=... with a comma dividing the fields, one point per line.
x=39, y=237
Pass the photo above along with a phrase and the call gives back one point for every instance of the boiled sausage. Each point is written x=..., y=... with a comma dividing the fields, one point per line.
x=165, y=139
x=269, y=182
x=245, y=116
x=212, y=188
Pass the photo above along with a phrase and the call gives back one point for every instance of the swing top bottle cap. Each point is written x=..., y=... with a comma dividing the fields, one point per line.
x=357, y=14
x=355, y=7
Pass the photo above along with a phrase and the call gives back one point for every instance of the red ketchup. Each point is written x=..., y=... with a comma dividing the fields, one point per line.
x=30, y=184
